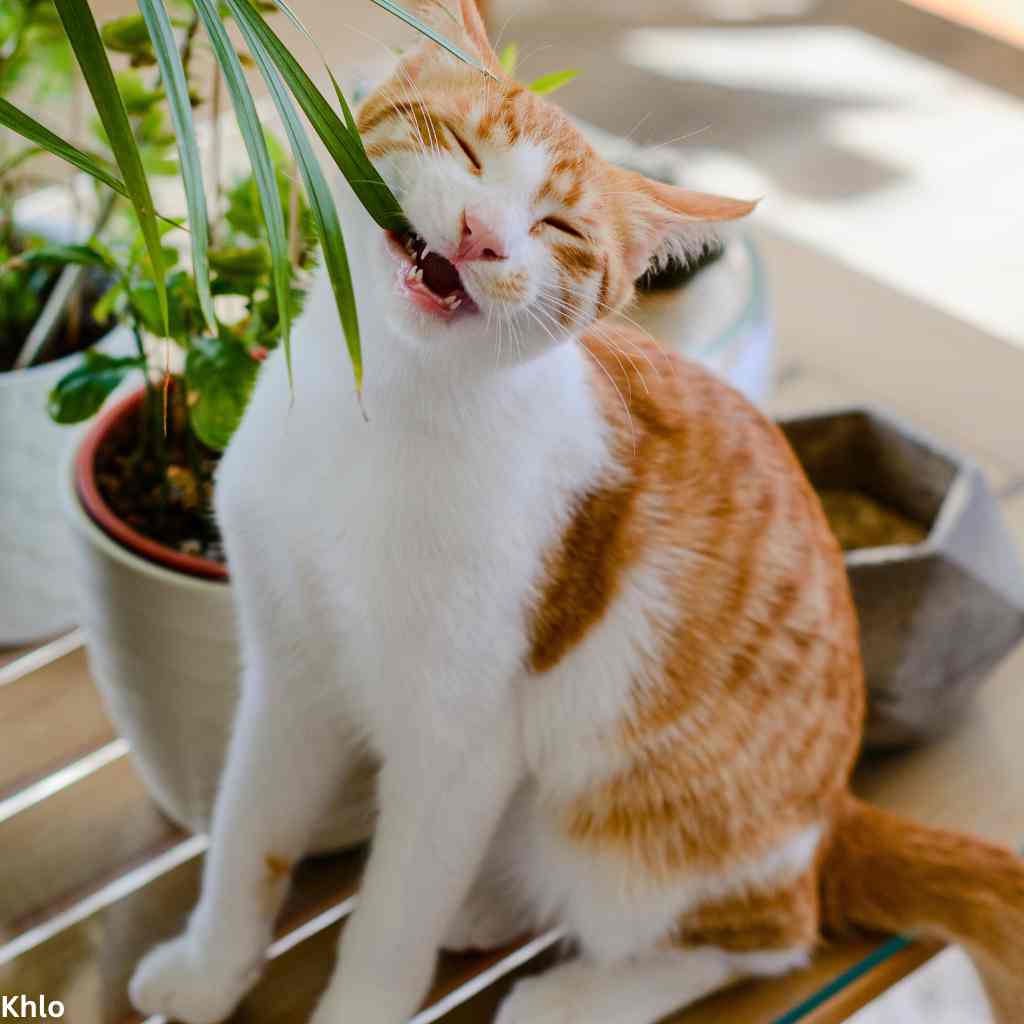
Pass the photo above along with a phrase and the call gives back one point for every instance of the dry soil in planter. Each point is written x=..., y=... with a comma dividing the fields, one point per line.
x=169, y=501
x=860, y=521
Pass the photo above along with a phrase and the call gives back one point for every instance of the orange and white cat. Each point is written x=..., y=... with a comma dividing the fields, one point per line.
x=576, y=594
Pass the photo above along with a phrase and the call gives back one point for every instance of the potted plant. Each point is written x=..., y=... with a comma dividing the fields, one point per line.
x=936, y=579
x=155, y=605
x=46, y=316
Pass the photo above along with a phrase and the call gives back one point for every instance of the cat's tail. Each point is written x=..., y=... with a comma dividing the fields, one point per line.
x=885, y=873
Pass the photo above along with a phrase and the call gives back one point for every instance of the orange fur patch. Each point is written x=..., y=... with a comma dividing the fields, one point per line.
x=759, y=675
x=757, y=919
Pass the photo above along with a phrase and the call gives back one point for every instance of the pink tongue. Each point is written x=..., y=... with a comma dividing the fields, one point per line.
x=440, y=275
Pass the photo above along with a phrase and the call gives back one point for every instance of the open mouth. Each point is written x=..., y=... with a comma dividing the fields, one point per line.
x=432, y=281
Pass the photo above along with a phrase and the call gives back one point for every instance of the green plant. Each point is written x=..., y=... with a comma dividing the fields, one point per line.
x=545, y=85
x=150, y=39
x=254, y=254
x=218, y=367
x=35, y=59
x=159, y=475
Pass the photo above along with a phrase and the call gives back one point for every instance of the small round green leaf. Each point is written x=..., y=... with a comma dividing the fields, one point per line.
x=80, y=393
x=219, y=377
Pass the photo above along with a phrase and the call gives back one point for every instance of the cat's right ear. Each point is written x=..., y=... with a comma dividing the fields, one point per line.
x=461, y=23
x=665, y=220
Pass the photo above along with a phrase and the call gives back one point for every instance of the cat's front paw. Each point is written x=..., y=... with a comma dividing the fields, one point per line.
x=187, y=983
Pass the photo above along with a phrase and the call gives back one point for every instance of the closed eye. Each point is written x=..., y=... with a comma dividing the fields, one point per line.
x=562, y=225
x=466, y=148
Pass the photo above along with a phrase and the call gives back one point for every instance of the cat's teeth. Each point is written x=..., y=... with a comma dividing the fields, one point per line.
x=426, y=250
x=455, y=305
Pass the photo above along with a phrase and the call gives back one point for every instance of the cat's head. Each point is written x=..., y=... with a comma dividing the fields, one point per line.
x=522, y=235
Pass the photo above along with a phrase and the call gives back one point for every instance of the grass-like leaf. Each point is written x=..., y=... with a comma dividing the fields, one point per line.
x=28, y=128
x=345, y=148
x=84, y=35
x=410, y=19
x=321, y=202
x=547, y=84
x=259, y=158
x=175, y=86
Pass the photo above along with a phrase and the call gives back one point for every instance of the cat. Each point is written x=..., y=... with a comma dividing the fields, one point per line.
x=575, y=592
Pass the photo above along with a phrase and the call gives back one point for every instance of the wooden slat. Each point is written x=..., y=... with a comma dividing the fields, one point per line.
x=50, y=717
x=288, y=991
x=8, y=654
x=89, y=964
x=863, y=990
x=76, y=840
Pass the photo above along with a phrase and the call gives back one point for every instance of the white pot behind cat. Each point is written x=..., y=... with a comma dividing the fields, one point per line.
x=721, y=318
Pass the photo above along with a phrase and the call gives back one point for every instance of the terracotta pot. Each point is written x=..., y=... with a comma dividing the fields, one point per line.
x=935, y=617
x=161, y=640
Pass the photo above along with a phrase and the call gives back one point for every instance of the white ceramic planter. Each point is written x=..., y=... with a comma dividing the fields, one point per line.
x=163, y=653
x=36, y=579
x=35, y=557
x=720, y=318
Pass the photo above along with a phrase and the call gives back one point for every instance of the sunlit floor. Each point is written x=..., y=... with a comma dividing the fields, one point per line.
x=1001, y=17
x=903, y=168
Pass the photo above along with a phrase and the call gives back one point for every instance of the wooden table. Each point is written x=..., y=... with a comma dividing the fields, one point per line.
x=91, y=873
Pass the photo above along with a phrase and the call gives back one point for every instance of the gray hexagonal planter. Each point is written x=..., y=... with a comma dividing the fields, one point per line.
x=935, y=616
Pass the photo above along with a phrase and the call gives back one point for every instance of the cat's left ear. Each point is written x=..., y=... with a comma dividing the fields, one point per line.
x=665, y=220
x=460, y=22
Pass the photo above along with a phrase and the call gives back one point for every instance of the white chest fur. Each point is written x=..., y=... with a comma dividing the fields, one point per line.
x=415, y=538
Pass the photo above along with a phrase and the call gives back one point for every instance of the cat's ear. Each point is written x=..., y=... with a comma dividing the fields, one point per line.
x=663, y=221
x=460, y=22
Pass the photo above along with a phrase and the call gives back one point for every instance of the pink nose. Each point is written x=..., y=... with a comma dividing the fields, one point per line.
x=480, y=240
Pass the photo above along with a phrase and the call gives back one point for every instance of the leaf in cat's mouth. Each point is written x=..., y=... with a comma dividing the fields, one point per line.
x=431, y=280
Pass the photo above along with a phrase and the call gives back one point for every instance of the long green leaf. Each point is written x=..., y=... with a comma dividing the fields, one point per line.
x=321, y=202
x=172, y=72
x=259, y=157
x=345, y=149
x=30, y=129
x=410, y=19
x=84, y=36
